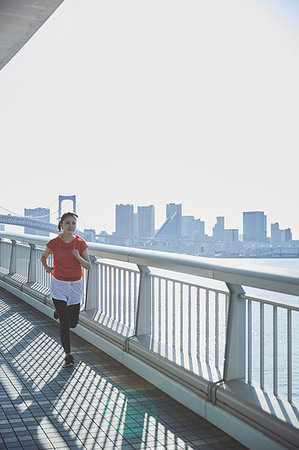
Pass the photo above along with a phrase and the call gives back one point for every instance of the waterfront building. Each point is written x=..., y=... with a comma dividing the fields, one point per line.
x=220, y=234
x=254, y=226
x=218, y=230
x=286, y=235
x=278, y=235
x=174, y=214
x=186, y=223
x=192, y=229
x=146, y=221
x=197, y=230
x=124, y=220
x=275, y=232
x=42, y=214
x=231, y=235
x=171, y=228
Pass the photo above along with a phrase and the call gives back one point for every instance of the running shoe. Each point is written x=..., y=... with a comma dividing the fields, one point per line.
x=69, y=360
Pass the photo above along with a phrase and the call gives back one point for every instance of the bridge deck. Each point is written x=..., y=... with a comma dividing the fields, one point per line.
x=97, y=404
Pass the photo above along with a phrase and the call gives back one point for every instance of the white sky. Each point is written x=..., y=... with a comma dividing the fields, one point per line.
x=150, y=102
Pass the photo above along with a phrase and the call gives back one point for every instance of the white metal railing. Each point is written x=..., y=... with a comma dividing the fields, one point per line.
x=191, y=317
x=275, y=330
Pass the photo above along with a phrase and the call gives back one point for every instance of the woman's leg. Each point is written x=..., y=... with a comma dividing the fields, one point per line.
x=74, y=311
x=64, y=320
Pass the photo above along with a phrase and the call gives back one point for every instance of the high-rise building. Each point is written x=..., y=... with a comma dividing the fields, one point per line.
x=146, y=221
x=286, y=235
x=198, y=229
x=254, y=226
x=174, y=215
x=42, y=214
x=218, y=230
x=231, y=235
x=193, y=229
x=124, y=220
x=275, y=232
x=278, y=235
x=187, y=222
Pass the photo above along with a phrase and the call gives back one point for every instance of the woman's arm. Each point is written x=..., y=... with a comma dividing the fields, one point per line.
x=84, y=259
x=44, y=260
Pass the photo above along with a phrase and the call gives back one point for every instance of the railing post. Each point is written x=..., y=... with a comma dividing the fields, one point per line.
x=235, y=349
x=92, y=289
x=12, y=264
x=1, y=242
x=32, y=265
x=143, y=314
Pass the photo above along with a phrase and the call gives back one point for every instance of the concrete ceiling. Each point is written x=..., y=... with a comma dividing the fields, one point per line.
x=19, y=20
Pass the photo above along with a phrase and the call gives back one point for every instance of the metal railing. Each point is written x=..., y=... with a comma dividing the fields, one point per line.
x=271, y=339
x=192, y=318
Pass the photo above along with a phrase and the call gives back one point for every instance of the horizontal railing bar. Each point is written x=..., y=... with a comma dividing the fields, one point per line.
x=270, y=302
x=115, y=266
x=188, y=284
x=193, y=265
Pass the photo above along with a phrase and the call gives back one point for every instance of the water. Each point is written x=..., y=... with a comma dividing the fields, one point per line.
x=281, y=266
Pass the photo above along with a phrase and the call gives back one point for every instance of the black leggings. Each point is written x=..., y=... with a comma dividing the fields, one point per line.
x=68, y=318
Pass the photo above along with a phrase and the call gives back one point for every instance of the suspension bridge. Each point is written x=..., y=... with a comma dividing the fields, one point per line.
x=39, y=223
x=29, y=222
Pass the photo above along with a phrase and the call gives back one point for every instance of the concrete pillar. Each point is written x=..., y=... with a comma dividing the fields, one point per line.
x=92, y=288
x=235, y=350
x=32, y=265
x=143, y=313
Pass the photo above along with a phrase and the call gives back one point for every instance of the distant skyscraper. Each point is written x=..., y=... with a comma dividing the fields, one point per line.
x=193, y=229
x=146, y=221
x=275, y=232
x=124, y=220
x=174, y=213
x=254, y=226
x=187, y=222
x=286, y=235
x=231, y=235
x=42, y=214
x=198, y=229
x=278, y=235
x=218, y=230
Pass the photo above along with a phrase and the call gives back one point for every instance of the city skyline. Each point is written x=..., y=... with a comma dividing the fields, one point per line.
x=169, y=208
x=203, y=111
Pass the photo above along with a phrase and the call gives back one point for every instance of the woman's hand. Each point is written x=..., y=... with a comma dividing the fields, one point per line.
x=76, y=254
x=84, y=259
x=44, y=257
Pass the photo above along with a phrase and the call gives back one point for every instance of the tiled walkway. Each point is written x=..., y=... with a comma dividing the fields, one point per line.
x=97, y=404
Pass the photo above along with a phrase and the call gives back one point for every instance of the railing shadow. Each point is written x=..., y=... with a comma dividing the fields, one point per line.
x=88, y=406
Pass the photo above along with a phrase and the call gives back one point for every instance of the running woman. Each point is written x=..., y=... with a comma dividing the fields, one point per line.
x=67, y=289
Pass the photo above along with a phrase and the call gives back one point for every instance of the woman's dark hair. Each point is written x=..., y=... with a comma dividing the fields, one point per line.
x=64, y=216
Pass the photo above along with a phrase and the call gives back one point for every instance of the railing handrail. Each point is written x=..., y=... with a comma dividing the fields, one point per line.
x=272, y=280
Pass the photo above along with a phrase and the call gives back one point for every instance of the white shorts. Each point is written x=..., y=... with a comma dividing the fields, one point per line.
x=71, y=292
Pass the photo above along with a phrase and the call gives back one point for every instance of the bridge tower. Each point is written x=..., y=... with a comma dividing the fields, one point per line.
x=61, y=198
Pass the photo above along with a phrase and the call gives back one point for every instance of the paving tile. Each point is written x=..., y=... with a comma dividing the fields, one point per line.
x=97, y=404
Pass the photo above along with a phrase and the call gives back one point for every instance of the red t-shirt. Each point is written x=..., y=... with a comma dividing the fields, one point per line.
x=66, y=266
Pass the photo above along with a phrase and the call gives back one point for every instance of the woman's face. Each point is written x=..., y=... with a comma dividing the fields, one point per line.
x=69, y=224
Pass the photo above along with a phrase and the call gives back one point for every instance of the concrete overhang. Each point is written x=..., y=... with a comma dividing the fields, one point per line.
x=19, y=20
